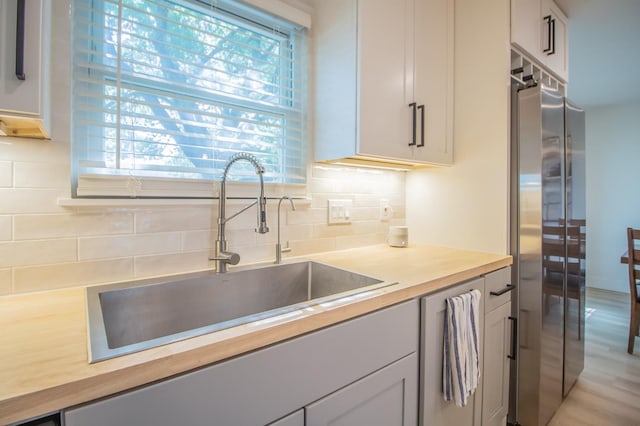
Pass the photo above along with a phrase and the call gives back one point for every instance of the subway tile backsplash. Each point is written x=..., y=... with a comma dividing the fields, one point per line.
x=46, y=246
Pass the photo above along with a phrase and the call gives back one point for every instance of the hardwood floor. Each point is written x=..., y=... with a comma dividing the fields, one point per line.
x=608, y=390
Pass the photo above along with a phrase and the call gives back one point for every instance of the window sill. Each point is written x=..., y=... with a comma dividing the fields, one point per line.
x=157, y=202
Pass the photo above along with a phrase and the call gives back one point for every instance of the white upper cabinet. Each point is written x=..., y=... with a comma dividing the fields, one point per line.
x=434, y=77
x=384, y=81
x=24, y=75
x=556, y=40
x=540, y=28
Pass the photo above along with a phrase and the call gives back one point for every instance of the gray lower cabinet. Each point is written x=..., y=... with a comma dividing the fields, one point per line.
x=293, y=419
x=387, y=397
x=271, y=384
x=498, y=345
x=434, y=410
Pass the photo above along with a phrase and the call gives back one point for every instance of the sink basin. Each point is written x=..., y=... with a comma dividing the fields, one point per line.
x=133, y=316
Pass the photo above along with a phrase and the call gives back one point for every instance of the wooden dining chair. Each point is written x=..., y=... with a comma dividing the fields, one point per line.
x=633, y=241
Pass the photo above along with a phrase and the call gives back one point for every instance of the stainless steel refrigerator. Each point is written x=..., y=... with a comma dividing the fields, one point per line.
x=548, y=237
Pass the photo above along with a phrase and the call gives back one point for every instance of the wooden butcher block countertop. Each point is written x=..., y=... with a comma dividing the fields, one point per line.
x=43, y=339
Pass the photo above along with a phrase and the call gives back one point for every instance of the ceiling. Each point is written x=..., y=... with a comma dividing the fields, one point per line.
x=604, y=51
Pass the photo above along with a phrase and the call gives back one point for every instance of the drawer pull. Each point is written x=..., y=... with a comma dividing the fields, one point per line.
x=507, y=289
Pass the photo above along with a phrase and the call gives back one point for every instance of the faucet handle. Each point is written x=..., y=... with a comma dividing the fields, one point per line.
x=230, y=257
x=227, y=257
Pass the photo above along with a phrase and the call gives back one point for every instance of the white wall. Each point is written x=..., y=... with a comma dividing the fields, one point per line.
x=466, y=205
x=613, y=191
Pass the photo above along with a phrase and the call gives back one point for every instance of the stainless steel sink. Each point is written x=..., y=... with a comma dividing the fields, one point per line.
x=133, y=316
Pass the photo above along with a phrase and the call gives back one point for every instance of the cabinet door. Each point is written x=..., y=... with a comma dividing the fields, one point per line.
x=387, y=397
x=373, y=59
x=433, y=86
x=434, y=410
x=497, y=343
x=526, y=23
x=25, y=97
x=385, y=69
x=540, y=29
x=555, y=40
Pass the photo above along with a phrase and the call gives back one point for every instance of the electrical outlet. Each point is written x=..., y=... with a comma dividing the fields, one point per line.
x=339, y=211
x=386, y=212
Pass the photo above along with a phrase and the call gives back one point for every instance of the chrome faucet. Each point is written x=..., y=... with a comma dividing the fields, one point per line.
x=279, y=249
x=222, y=256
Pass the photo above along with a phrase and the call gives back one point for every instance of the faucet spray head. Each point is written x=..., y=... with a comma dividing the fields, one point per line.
x=262, y=215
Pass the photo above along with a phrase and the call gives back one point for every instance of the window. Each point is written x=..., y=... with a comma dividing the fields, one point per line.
x=165, y=91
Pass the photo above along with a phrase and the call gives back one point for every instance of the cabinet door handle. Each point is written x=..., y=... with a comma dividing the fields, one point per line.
x=421, y=108
x=553, y=38
x=413, y=107
x=20, y=18
x=514, y=338
x=547, y=19
x=502, y=291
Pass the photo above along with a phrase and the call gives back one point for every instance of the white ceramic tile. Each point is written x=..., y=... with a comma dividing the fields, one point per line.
x=332, y=231
x=320, y=200
x=72, y=225
x=307, y=216
x=6, y=223
x=257, y=254
x=239, y=237
x=19, y=149
x=128, y=245
x=184, y=219
x=399, y=211
x=370, y=227
x=370, y=200
x=41, y=175
x=198, y=240
x=5, y=282
x=317, y=245
x=148, y=266
x=365, y=213
x=352, y=241
x=328, y=186
x=63, y=275
x=37, y=252
x=24, y=201
x=6, y=174
x=296, y=232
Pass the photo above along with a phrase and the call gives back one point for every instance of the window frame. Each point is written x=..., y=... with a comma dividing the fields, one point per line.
x=129, y=185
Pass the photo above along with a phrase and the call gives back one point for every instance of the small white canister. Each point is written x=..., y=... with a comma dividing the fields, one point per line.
x=398, y=236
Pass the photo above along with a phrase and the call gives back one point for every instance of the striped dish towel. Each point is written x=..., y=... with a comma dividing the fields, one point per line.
x=461, y=365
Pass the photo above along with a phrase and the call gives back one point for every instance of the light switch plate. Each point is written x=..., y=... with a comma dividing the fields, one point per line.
x=339, y=211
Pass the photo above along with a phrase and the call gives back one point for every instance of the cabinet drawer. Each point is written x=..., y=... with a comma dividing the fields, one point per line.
x=497, y=282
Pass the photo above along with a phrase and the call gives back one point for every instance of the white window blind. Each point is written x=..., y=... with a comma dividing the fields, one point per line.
x=165, y=91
